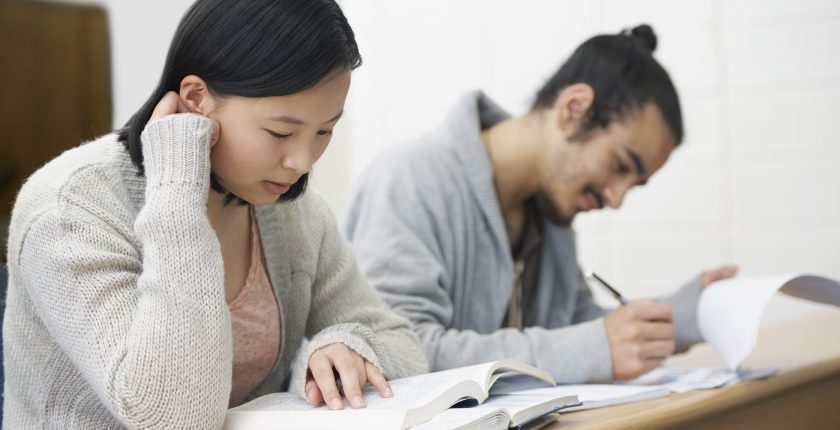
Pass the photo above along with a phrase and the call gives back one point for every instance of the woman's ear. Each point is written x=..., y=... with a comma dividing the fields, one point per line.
x=196, y=96
x=571, y=106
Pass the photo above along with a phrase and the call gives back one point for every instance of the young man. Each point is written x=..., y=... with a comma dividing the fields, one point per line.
x=466, y=230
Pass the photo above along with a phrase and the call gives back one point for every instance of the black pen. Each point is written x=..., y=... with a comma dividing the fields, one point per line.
x=615, y=293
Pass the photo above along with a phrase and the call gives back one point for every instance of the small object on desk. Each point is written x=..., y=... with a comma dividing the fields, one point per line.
x=618, y=296
x=685, y=379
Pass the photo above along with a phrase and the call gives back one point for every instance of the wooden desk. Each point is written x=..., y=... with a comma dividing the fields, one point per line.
x=806, y=393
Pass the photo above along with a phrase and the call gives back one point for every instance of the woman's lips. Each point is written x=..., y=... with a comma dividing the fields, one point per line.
x=276, y=188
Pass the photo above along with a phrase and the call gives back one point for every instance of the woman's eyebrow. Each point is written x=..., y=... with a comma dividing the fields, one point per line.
x=296, y=121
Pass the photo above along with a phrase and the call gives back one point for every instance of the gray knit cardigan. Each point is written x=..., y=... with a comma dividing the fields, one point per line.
x=116, y=310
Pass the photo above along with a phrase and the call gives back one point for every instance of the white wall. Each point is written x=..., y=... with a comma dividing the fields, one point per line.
x=756, y=182
x=140, y=35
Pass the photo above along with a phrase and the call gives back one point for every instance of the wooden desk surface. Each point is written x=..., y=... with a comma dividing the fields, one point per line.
x=806, y=393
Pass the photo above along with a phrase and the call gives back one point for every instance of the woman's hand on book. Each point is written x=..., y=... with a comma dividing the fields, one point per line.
x=336, y=369
x=641, y=335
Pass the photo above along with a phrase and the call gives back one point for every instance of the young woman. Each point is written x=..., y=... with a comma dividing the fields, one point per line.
x=163, y=273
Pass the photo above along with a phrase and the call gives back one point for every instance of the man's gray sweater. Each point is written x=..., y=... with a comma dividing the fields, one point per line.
x=428, y=232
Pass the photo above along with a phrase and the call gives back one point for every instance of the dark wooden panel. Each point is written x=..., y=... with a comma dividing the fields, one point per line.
x=56, y=87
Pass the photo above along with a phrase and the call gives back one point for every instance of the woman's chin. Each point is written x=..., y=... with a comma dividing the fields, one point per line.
x=263, y=199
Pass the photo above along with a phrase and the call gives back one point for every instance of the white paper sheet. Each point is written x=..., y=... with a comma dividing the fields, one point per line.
x=729, y=312
x=684, y=379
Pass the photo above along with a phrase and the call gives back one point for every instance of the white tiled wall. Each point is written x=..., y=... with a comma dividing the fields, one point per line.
x=757, y=181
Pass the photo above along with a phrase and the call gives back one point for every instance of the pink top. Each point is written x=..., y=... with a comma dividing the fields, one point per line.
x=255, y=321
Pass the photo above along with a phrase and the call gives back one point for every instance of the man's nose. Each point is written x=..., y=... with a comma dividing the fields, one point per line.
x=615, y=192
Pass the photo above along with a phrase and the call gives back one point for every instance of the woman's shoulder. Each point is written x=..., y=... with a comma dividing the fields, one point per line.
x=97, y=176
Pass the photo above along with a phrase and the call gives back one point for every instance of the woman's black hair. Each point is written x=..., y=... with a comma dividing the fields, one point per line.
x=251, y=48
x=624, y=75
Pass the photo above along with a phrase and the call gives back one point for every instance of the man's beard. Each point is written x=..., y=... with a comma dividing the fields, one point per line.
x=551, y=212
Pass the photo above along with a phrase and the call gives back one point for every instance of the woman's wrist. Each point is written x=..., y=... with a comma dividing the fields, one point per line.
x=176, y=151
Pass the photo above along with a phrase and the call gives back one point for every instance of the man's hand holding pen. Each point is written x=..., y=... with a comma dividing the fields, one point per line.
x=641, y=336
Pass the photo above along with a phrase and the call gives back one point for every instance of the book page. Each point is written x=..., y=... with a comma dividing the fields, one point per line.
x=729, y=312
x=517, y=382
x=524, y=407
x=476, y=418
x=594, y=395
x=419, y=390
x=512, y=369
x=276, y=402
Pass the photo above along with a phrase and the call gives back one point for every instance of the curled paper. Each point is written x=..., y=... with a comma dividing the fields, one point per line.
x=730, y=311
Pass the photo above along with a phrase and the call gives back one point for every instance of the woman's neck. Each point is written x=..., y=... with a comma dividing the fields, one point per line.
x=221, y=214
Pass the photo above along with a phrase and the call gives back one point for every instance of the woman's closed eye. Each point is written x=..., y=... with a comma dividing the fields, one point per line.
x=325, y=132
x=278, y=136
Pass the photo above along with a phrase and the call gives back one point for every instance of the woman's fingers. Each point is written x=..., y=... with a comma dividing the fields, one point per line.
x=349, y=374
x=171, y=104
x=215, y=131
x=313, y=393
x=353, y=372
x=374, y=376
x=322, y=372
x=168, y=105
x=182, y=108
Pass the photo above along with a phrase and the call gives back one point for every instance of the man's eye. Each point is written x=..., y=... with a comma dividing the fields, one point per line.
x=622, y=168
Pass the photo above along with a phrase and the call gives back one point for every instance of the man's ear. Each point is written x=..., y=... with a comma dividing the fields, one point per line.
x=571, y=107
x=196, y=96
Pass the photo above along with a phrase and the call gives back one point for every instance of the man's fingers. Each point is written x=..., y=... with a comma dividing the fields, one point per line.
x=322, y=372
x=723, y=272
x=659, y=349
x=374, y=376
x=656, y=330
x=650, y=364
x=652, y=310
x=633, y=368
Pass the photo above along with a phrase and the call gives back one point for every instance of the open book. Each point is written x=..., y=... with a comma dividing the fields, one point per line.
x=416, y=399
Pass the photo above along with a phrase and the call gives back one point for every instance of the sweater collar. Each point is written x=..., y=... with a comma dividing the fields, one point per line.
x=473, y=113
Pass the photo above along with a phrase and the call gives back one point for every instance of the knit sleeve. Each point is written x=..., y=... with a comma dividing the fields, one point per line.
x=345, y=308
x=684, y=304
x=144, y=319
